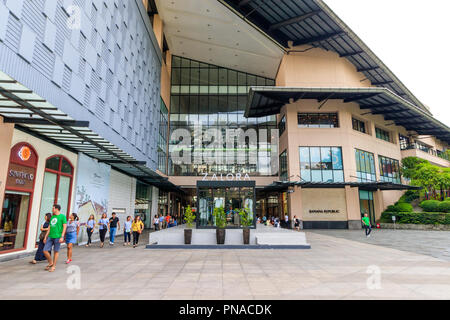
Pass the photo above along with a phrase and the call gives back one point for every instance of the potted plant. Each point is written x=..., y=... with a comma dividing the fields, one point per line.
x=189, y=218
x=221, y=223
x=246, y=221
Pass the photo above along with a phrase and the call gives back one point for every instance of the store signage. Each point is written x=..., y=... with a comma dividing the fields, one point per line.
x=20, y=176
x=324, y=211
x=226, y=177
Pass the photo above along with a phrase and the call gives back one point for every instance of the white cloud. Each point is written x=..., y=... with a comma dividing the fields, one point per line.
x=411, y=38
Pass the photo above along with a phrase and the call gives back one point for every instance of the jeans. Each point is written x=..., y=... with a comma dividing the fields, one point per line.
x=102, y=234
x=135, y=237
x=156, y=226
x=112, y=234
x=89, y=234
x=368, y=230
x=127, y=235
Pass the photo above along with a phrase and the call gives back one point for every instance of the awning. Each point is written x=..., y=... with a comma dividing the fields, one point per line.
x=283, y=186
x=265, y=101
x=34, y=115
x=314, y=24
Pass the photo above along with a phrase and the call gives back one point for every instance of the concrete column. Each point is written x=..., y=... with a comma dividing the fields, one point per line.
x=295, y=204
x=155, y=197
x=353, y=208
x=378, y=203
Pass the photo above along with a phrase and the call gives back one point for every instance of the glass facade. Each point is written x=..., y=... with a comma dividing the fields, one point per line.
x=162, y=141
x=389, y=170
x=318, y=120
x=365, y=166
x=216, y=98
x=321, y=164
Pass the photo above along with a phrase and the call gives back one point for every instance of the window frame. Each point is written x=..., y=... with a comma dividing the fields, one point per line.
x=322, y=169
x=317, y=125
x=380, y=134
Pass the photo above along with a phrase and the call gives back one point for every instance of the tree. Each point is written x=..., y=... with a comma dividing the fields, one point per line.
x=424, y=174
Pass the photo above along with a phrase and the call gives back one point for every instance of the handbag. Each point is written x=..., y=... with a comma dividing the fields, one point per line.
x=42, y=235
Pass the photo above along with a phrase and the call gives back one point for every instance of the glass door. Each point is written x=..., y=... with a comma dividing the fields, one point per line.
x=14, y=218
x=366, y=205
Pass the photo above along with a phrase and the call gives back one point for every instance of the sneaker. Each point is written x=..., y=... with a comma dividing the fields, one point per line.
x=368, y=236
x=68, y=261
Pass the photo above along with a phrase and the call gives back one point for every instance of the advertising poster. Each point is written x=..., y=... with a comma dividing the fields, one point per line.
x=92, y=192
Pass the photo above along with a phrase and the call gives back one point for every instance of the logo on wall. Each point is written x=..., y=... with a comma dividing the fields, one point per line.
x=24, y=153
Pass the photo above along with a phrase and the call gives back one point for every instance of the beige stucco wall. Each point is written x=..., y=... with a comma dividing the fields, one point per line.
x=6, y=133
x=318, y=68
x=44, y=151
x=329, y=199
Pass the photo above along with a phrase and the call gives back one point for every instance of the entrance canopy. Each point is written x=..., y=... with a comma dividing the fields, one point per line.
x=312, y=23
x=265, y=101
x=283, y=186
x=36, y=116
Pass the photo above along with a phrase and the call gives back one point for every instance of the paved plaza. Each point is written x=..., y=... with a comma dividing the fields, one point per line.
x=334, y=268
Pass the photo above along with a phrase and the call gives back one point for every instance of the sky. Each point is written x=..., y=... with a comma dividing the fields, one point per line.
x=412, y=38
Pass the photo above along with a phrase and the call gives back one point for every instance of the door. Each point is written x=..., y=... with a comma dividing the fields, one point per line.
x=366, y=205
x=13, y=223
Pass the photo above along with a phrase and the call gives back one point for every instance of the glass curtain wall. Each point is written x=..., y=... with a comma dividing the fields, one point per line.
x=321, y=164
x=365, y=166
x=216, y=97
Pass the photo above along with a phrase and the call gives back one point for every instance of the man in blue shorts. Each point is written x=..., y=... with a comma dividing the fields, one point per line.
x=55, y=236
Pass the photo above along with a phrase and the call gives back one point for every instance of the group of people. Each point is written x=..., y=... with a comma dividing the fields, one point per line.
x=56, y=229
x=278, y=223
x=163, y=222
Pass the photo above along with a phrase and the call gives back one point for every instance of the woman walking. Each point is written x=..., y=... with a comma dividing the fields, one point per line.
x=137, y=227
x=73, y=227
x=39, y=256
x=127, y=231
x=90, y=224
x=103, y=223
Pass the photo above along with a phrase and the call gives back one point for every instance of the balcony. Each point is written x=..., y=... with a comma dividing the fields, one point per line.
x=439, y=158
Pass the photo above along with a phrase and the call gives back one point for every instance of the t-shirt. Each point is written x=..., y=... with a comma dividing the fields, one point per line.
x=113, y=222
x=161, y=219
x=91, y=223
x=72, y=226
x=136, y=226
x=57, y=223
x=366, y=221
x=103, y=224
x=128, y=225
x=156, y=221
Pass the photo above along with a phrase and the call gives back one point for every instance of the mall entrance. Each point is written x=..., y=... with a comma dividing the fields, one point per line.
x=230, y=195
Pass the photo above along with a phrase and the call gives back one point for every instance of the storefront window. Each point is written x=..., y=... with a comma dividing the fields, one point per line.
x=57, y=187
x=232, y=199
x=389, y=170
x=143, y=203
x=365, y=166
x=321, y=164
x=17, y=201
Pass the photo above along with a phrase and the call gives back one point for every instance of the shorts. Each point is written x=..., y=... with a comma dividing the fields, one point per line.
x=71, y=237
x=52, y=243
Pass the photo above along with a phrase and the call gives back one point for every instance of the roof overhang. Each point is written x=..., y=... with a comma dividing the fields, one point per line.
x=283, y=186
x=35, y=115
x=265, y=101
x=311, y=22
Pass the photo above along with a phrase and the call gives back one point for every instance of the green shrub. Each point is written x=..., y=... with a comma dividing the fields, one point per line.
x=444, y=206
x=409, y=196
x=404, y=207
x=447, y=199
x=416, y=217
x=391, y=209
x=430, y=205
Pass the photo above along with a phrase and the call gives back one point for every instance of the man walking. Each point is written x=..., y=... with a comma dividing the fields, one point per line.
x=54, y=236
x=113, y=223
x=366, y=224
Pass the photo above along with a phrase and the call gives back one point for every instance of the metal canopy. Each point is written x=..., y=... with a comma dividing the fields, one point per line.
x=313, y=23
x=35, y=115
x=283, y=186
x=265, y=101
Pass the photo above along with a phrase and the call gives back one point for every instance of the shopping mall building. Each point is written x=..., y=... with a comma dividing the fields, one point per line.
x=126, y=106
